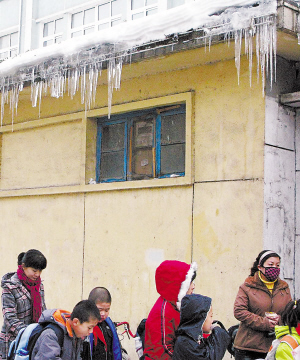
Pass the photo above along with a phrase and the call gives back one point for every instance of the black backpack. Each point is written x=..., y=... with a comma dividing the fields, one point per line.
x=232, y=331
x=21, y=348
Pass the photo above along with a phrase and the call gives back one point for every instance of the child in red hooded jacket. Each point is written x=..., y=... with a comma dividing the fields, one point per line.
x=174, y=279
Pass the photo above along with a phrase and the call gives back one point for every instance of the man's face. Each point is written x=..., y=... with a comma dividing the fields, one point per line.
x=103, y=310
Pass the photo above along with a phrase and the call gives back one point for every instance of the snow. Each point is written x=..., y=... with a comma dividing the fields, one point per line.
x=76, y=64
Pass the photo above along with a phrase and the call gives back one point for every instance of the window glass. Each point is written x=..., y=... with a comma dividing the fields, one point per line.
x=89, y=30
x=103, y=26
x=112, y=152
x=151, y=2
x=89, y=16
x=113, y=137
x=116, y=22
x=137, y=16
x=76, y=33
x=58, y=26
x=58, y=39
x=112, y=166
x=77, y=19
x=136, y=4
x=49, y=28
x=14, y=39
x=174, y=3
x=172, y=159
x=4, y=41
x=4, y=55
x=48, y=42
x=13, y=52
x=118, y=7
x=104, y=11
x=143, y=149
x=172, y=128
x=151, y=11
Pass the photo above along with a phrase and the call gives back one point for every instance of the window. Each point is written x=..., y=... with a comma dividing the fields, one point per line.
x=53, y=32
x=142, y=145
x=141, y=8
x=9, y=45
x=101, y=17
x=174, y=3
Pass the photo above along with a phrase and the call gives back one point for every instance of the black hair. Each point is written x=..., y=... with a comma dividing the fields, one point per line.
x=35, y=259
x=194, y=276
x=85, y=310
x=256, y=263
x=20, y=258
x=291, y=314
x=100, y=294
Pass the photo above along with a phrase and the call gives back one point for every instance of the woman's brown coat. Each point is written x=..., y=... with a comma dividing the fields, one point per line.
x=252, y=302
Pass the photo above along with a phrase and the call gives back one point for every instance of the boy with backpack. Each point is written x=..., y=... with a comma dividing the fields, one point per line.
x=103, y=343
x=75, y=327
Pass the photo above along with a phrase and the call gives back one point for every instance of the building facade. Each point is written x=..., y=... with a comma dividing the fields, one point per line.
x=189, y=162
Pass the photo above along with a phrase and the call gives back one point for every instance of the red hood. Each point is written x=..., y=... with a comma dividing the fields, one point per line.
x=173, y=279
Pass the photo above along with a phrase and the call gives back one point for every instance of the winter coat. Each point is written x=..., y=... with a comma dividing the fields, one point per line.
x=284, y=351
x=190, y=343
x=47, y=346
x=252, y=302
x=173, y=279
x=112, y=350
x=16, y=309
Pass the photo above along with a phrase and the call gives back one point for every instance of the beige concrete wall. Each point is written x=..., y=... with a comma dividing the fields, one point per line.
x=46, y=156
x=116, y=235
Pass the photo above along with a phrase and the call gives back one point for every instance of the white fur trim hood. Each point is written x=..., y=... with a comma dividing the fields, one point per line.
x=186, y=283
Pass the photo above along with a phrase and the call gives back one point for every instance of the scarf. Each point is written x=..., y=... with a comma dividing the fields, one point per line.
x=34, y=288
x=98, y=334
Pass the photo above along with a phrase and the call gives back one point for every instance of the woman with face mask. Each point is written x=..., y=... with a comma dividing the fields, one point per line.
x=258, y=306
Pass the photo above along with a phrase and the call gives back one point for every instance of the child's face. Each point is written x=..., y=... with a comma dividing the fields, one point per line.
x=191, y=288
x=82, y=330
x=103, y=310
x=206, y=328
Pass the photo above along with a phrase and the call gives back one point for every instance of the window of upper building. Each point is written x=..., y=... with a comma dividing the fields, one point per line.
x=9, y=45
x=142, y=144
x=53, y=32
x=96, y=18
x=141, y=8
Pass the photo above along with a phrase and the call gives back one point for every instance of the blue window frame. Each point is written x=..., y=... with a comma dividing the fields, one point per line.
x=141, y=145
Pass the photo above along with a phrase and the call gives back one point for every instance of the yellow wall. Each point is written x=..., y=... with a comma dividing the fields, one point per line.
x=115, y=235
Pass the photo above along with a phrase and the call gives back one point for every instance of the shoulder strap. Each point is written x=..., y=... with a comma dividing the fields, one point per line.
x=290, y=340
x=25, y=337
x=56, y=328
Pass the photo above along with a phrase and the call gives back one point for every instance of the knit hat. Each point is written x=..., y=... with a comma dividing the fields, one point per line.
x=173, y=279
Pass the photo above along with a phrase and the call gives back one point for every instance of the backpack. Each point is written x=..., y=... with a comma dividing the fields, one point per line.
x=288, y=339
x=21, y=348
x=232, y=331
x=140, y=339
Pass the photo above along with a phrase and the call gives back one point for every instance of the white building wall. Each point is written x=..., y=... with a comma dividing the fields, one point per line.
x=279, y=190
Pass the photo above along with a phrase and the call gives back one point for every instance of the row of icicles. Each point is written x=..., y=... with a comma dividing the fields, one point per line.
x=59, y=81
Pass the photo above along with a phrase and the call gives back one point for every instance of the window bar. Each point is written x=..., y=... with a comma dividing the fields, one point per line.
x=158, y=145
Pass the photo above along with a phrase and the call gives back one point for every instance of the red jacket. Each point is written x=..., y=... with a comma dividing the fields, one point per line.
x=173, y=279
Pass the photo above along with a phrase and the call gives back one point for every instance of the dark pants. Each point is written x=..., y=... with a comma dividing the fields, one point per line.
x=248, y=355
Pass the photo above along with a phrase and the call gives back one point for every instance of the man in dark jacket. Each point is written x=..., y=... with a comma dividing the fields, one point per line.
x=196, y=339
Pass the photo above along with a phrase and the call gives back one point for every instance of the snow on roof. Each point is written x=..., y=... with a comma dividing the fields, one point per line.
x=79, y=56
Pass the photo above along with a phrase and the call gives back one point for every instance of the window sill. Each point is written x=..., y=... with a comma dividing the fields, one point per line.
x=80, y=189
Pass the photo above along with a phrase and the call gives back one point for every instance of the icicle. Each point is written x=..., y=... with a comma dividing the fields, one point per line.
x=238, y=45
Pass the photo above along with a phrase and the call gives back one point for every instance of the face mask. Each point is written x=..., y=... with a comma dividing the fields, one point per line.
x=271, y=273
